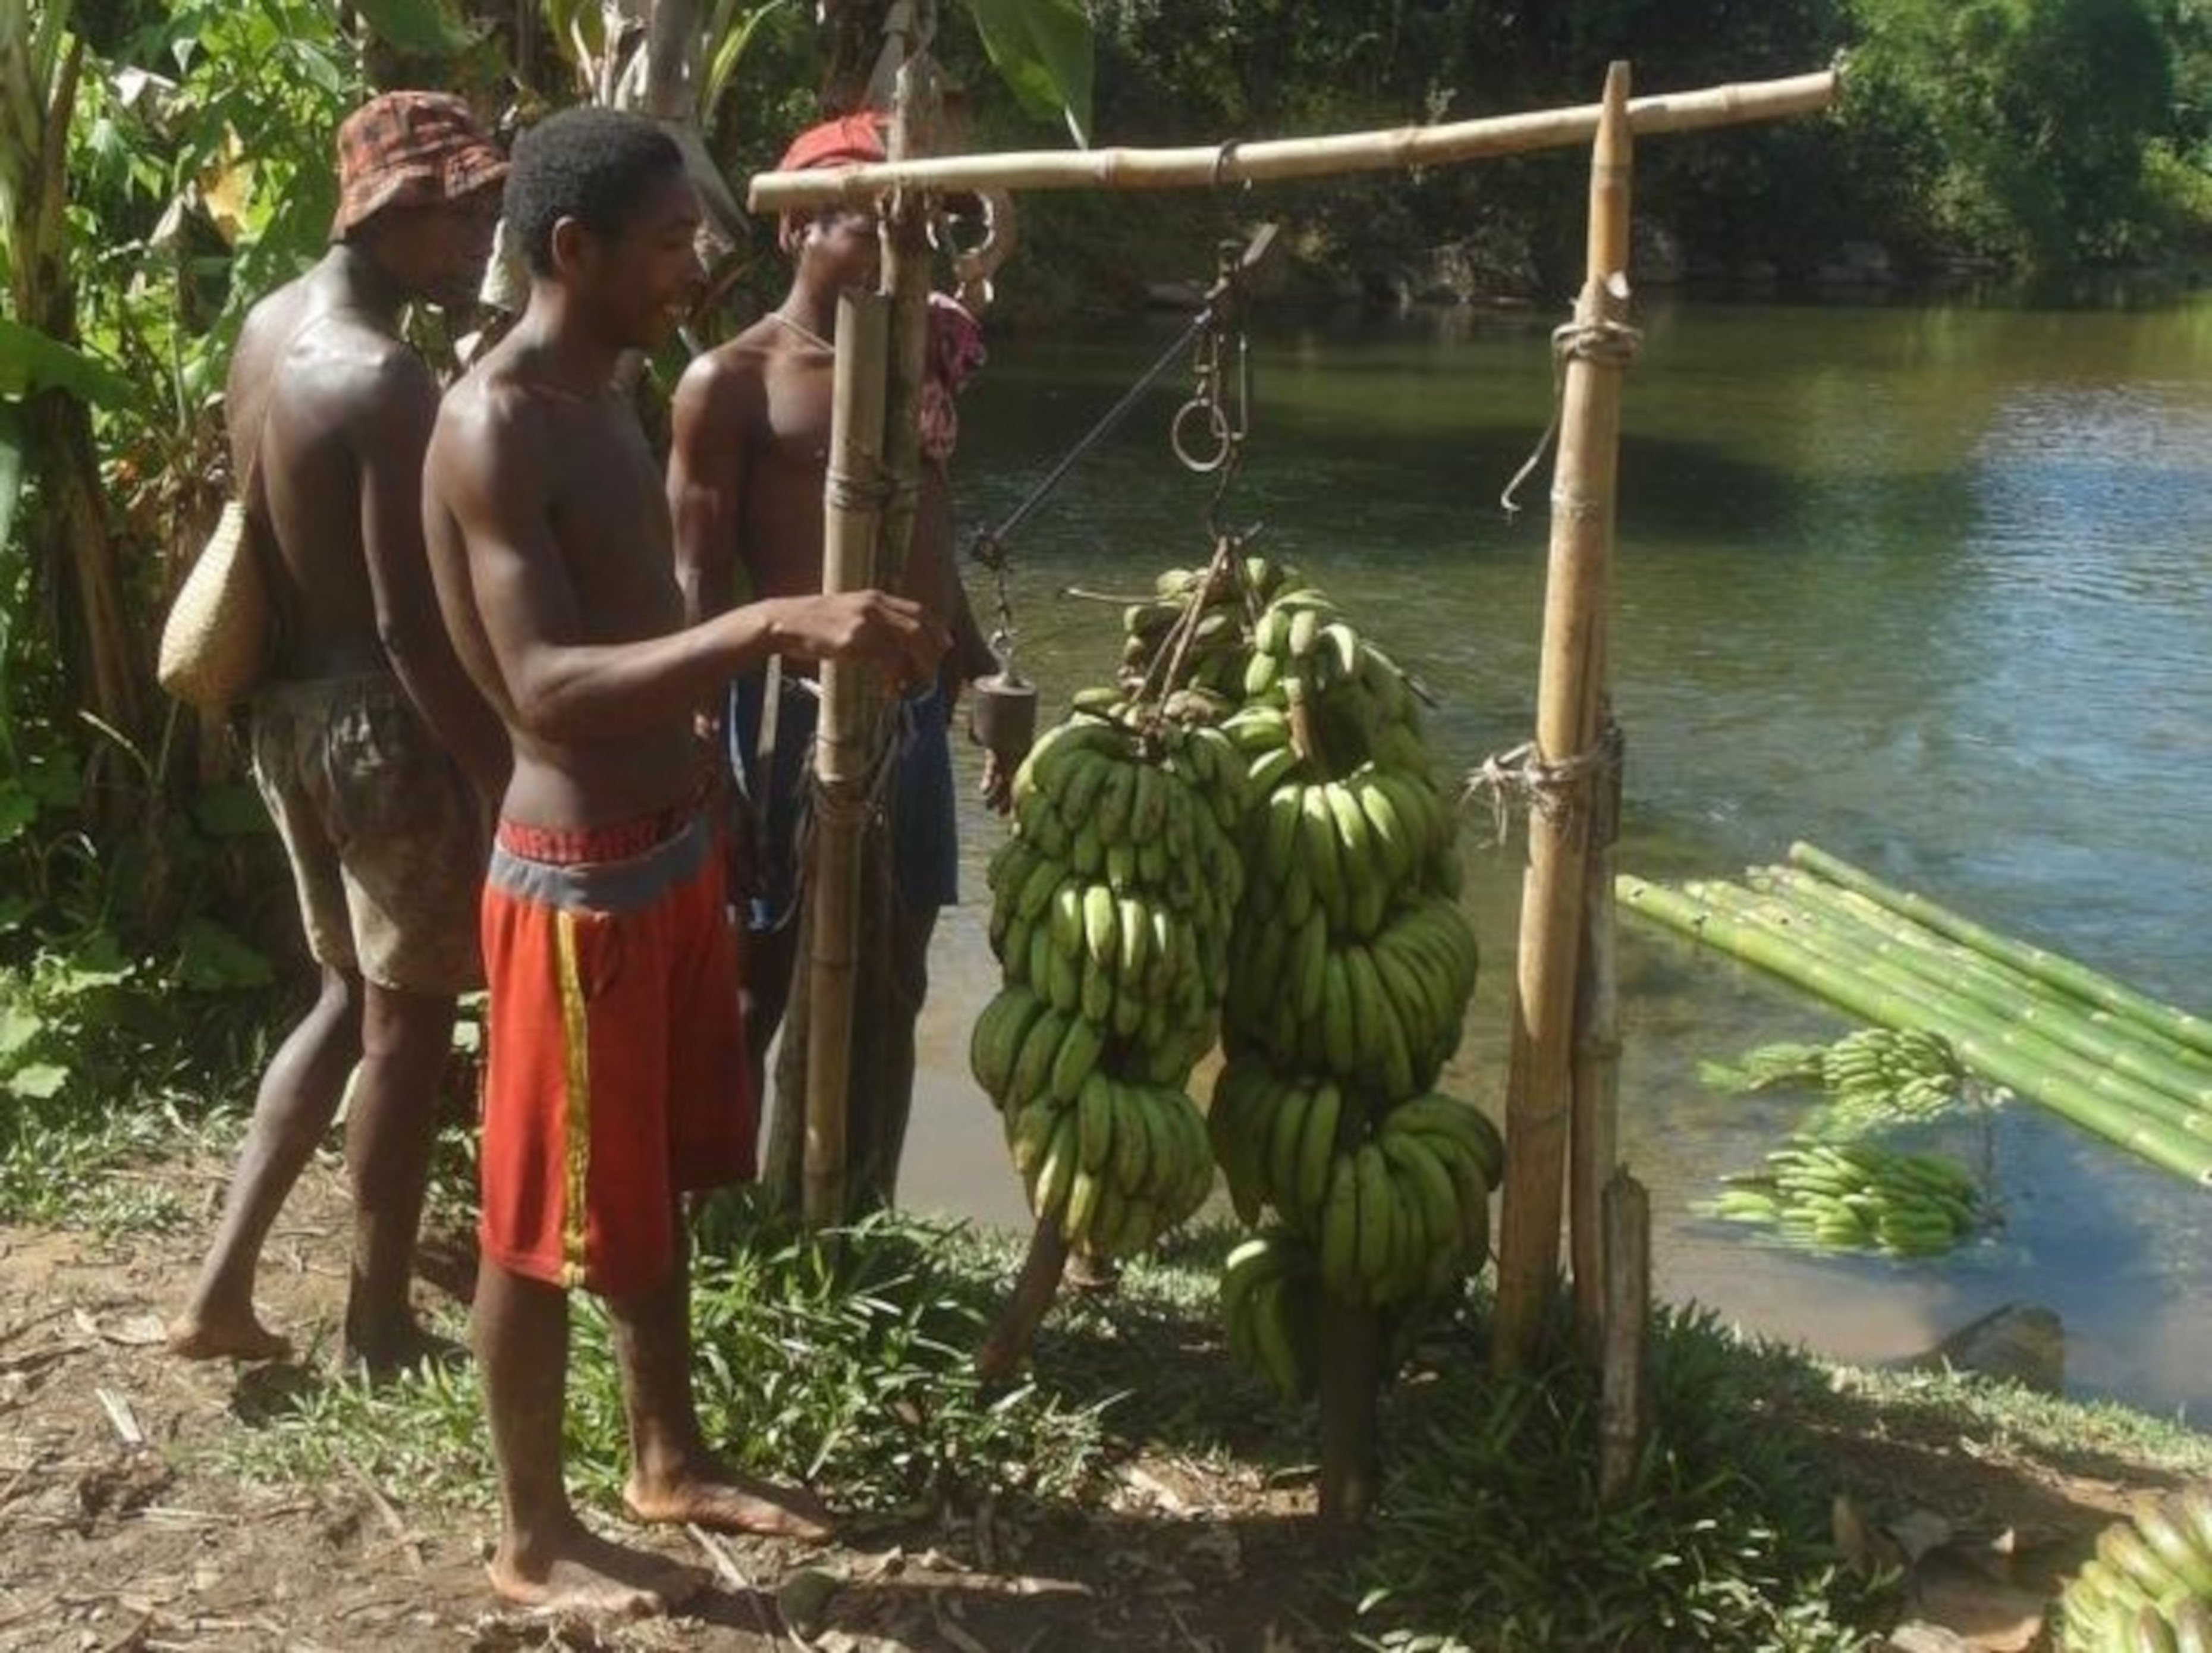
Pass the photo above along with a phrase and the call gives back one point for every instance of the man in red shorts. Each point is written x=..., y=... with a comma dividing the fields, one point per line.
x=617, y=1075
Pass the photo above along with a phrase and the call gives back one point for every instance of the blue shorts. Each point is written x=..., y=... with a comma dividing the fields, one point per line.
x=925, y=839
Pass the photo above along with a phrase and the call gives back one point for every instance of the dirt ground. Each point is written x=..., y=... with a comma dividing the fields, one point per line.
x=122, y=1528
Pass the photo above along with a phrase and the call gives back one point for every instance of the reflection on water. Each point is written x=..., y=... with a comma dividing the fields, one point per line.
x=1932, y=586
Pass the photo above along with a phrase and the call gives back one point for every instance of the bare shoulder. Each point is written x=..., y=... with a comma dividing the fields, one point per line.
x=367, y=371
x=491, y=429
x=722, y=391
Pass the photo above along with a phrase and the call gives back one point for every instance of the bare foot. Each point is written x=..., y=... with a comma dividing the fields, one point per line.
x=575, y=1571
x=197, y=1336
x=719, y=1497
x=381, y=1358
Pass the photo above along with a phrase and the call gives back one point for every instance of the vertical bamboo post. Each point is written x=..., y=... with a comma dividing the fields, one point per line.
x=1595, y=1149
x=1568, y=696
x=853, y=510
x=1624, y=1403
x=905, y=280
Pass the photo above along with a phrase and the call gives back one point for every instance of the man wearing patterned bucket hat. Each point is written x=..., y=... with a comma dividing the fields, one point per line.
x=746, y=477
x=373, y=752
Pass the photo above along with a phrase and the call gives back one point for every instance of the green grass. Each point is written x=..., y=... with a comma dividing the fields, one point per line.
x=65, y=1165
x=2092, y=1437
x=1491, y=1516
x=846, y=1368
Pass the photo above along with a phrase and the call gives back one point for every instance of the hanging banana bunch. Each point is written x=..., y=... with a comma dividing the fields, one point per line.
x=1351, y=970
x=1111, y=913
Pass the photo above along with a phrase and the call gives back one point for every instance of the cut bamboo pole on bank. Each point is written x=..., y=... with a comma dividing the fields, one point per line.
x=2194, y=1032
x=852, y=512
x=2096, y=1100
x=1624, y=1399
x=1569, y=695
x=1397, y=149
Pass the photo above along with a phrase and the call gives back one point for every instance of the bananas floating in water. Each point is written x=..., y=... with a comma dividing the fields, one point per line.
x=1853, y=1196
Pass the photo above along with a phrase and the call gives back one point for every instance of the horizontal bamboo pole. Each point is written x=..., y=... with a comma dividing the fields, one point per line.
x=2160, y=1143
x=2060, y=972
x=2137, y=1051
x=2096, y=1071
x=1398, y=149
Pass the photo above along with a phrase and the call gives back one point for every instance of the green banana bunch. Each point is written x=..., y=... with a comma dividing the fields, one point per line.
x=1113, y=911
x=1874, y=1078
x=2150, y=1585
x=1214, y=661
x=1854, y=1196
x=1270, y=1311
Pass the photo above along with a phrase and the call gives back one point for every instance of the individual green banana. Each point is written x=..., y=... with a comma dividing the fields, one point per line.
x=1055, y=1176
x=1317, y=844
x=1317, y=1136
x=1339, y=1041
x=995, y=1044
x=1377, y=1220
x=1102, y=925
x=1340, y=1231
x=1285, y=1141
x=1032, y=1071
x=1076, y=1059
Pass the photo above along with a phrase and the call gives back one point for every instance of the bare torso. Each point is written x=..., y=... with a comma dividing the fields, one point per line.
x=600, y=492
x=779, y=530
x=303, y=362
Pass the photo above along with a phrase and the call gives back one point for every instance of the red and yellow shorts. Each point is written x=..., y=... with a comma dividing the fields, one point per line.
x=616, y=1076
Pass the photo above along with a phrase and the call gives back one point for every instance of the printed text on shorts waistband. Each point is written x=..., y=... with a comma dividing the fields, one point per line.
x=573, y=845
x=621, y=884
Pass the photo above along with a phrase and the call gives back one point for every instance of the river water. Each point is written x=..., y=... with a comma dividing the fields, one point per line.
x=1930, y=586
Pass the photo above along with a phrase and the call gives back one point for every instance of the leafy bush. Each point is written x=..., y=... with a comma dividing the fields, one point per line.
x=1491, y=1519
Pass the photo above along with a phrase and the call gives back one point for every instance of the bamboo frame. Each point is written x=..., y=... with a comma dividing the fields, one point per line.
x=842, y=751
x=1570, y=693
x=1401, y=148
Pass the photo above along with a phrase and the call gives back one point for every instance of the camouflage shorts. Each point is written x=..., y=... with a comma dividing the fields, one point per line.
x=387, y=842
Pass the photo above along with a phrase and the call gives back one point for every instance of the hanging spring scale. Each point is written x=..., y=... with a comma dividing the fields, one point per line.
x=1002, y=707
x=1207, y=436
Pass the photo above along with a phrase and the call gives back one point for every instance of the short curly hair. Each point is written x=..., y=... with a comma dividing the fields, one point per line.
x=595, y=166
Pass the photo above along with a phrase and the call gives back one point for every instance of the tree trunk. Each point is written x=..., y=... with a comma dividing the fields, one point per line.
x=74, y=561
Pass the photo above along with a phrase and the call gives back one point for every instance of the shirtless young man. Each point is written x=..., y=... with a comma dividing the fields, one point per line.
x=746, y=481
x=617, y=1077
x=330, y=413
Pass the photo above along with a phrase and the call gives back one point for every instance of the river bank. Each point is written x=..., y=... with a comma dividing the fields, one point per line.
x=1140, y=1491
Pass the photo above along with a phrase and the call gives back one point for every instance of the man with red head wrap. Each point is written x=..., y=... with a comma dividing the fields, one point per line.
x=751, y=447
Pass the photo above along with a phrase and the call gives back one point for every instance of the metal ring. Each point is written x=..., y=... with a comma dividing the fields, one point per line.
x=1217, y=431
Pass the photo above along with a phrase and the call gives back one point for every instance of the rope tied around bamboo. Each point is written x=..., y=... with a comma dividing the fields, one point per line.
x=1602, y=340
x=1520, y=778
x=868, y=490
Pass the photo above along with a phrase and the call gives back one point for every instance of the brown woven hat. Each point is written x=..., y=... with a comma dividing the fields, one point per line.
x=411, y=149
